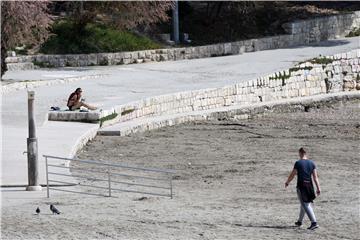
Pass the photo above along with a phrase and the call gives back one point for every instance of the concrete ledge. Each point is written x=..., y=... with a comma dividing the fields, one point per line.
x=75, y=116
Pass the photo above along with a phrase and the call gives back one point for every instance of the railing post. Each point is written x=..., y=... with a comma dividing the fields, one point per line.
x=47, y=178
x=109, y=181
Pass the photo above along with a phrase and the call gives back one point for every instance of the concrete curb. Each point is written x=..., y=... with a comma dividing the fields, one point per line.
x=83, y=139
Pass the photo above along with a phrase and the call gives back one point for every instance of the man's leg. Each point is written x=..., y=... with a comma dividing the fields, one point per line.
x=302, y=211
x=301, y=214
x=307, y=208
x=310, y=212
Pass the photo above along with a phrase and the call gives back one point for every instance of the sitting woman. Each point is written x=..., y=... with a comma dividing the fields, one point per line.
x=75, y=101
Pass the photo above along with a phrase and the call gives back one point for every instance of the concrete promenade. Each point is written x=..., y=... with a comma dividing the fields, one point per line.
x=122, y=84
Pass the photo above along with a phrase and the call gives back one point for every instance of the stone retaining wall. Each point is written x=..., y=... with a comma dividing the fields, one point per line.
x=332, y=74
x=235, y=112
x=299, y=33
x=323, y=28
x=20, y=66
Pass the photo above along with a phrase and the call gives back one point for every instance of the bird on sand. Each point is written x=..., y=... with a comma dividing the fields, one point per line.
x=54, y=209
x=37, y=210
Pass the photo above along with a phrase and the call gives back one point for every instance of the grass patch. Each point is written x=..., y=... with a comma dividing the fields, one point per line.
x=107, y=118
x=127, y=112
x=354, y=33
x=68, y=38
x=283, y=76
x=294, y=69
x=319, y=60
x=322, y=60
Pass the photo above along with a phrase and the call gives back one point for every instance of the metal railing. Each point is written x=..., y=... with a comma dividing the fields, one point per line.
x=123, y=181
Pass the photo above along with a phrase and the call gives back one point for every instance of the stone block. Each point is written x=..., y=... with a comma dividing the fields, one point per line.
x=227, y=49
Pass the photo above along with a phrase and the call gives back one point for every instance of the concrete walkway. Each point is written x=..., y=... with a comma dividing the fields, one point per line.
x=123, y=84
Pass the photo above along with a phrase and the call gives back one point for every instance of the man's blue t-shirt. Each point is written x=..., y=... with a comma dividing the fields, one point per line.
x=304, y=170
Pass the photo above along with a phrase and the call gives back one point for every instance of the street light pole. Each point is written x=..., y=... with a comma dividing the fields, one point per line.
x=175, y=22
x=32, y=148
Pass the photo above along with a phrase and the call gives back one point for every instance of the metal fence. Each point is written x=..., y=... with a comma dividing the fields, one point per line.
x=112, y=177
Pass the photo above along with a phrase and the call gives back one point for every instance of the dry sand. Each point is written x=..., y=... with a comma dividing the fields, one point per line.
x=229, y=183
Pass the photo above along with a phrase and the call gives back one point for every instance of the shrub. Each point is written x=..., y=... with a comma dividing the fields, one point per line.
x=68, y=38
x=354, y=33
x=107, y=118
x=321, y=60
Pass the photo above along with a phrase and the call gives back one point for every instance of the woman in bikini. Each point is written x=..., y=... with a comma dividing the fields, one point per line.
x=74, y=101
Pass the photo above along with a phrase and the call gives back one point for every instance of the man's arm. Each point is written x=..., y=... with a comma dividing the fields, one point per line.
x=316, y=180
x=291, y=177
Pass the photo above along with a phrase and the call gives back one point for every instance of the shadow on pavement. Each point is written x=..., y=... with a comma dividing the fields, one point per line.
x=326, y=43
x=13, y=190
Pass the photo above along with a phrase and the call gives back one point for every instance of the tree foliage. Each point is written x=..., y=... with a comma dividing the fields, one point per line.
x=219, y=21
x=23, y=22
x=120, y=14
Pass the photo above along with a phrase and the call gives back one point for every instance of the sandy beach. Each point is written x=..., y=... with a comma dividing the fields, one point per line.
x=229, y=182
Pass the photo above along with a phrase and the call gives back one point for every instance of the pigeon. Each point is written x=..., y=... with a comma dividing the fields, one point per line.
x=37, y=210
x=54, y=209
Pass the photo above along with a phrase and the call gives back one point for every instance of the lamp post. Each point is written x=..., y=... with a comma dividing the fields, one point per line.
x=32, y=148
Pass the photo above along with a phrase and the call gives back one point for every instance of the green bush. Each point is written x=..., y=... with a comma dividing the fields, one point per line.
x=354, y=33
x=69, y=38
x=321, y=60
x=107, y=118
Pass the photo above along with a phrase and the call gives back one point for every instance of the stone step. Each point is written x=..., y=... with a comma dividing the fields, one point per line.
x=20, y=66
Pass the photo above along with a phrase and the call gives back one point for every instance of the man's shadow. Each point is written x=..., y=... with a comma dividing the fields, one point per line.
x=265, y=226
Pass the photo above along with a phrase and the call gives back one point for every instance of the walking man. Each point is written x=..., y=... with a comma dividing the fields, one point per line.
x=305, y=168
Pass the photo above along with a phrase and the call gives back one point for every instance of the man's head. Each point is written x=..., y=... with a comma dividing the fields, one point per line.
x=302, y=152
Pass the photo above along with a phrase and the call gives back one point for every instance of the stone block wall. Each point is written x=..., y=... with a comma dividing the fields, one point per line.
x=332, y=74
x=235, y=112
x=323, y=28
x=299, y=33
x=340, y=72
